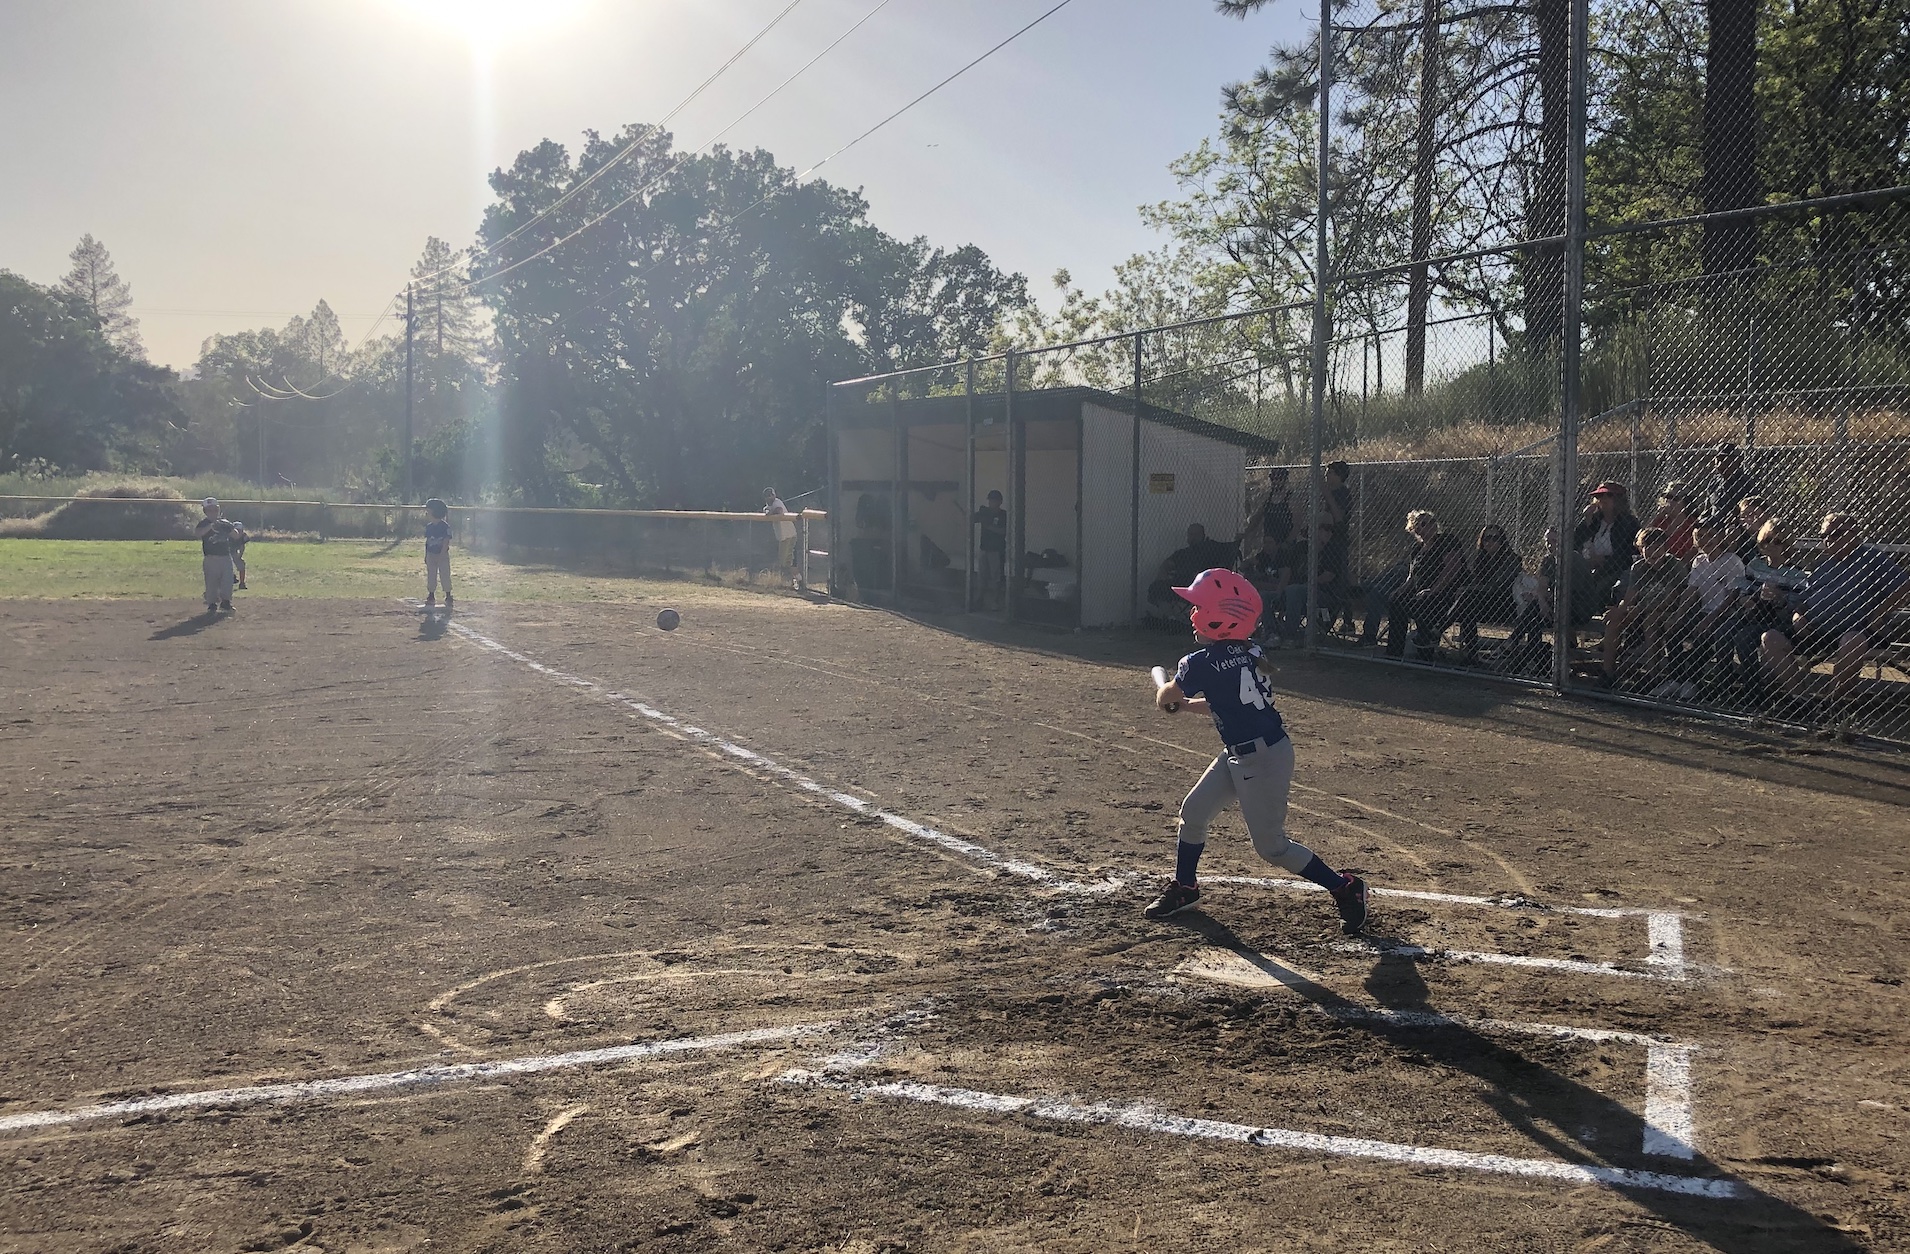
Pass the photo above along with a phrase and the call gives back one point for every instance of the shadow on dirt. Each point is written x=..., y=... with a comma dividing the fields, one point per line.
x=1540, y=1102
x=433, y=626
x=188, y=627
x=1464, y=699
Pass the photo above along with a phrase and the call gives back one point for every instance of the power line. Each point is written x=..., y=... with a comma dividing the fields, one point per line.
x=740, y=214
x=621, y=154
x=657, y=181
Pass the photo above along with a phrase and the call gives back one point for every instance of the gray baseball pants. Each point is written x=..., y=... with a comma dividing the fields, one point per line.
x=1260, y=782
x=437, y=566
x=218, y=578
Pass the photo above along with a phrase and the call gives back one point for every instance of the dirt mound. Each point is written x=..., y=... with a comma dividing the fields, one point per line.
x=115, y=513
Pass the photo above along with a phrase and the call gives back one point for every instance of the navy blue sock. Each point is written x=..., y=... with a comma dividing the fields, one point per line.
x=1187, y=861
x=1323, y=875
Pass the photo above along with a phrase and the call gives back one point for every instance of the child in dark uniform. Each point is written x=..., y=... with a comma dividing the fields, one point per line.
x=437, y=553
x=1255, y=767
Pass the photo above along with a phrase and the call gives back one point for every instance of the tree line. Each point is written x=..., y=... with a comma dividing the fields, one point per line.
x=638, y=325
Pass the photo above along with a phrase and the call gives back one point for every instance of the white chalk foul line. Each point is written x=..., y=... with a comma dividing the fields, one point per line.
x=1144, y=1119
x=341, y=1086
x=920, y=831
x=1577, y=966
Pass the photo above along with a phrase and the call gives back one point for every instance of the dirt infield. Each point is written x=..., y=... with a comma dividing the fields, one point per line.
x=809, y=927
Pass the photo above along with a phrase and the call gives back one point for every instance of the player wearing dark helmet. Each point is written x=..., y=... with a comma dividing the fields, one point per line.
x=1255, y=766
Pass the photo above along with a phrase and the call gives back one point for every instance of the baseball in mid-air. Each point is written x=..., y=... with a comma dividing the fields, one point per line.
x=668, y=619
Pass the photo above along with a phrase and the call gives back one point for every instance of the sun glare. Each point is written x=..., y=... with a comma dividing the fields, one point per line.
x=487, y=24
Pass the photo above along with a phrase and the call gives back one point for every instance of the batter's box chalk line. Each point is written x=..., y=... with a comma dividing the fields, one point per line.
x=1669, y=1127
x=416, y=1077
x=1665, y=927
x=1142, y=1117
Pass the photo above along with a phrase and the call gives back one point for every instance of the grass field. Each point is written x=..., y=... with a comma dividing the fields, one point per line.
x=168, y=570
x=335, y=926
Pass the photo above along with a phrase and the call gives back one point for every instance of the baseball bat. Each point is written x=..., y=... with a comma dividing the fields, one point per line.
x=1160, y=681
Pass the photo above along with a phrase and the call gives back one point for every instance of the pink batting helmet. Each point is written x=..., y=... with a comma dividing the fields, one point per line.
x=1225, y=605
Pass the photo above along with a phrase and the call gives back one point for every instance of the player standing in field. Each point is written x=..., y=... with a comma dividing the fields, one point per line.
x=437, y=553
x=216, y=535
x=239, y=540
x=1255, y=767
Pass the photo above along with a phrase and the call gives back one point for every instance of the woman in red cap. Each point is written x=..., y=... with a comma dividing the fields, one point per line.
x=1223, y=678
x=1606, y=535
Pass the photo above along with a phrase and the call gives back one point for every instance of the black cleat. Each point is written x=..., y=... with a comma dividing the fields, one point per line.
x=1174, y=899
x=447, y=602
x=431, y=602
x=1351, y=901
x=226, y=606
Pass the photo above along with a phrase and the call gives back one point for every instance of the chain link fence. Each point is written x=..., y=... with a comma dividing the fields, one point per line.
x=1608, y=388
x=632, y=540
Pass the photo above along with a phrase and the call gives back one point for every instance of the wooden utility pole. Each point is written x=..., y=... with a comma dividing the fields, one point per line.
x=404, y=452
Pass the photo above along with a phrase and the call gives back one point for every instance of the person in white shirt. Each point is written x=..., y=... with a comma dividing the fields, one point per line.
x=1711, y=603
x=785, y=532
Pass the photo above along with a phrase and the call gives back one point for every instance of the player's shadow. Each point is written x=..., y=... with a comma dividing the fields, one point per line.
x=433, y=626
x=1538, y=1099
x=189, y=627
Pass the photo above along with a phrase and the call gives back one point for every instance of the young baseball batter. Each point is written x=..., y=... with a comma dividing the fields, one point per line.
x=1255, y=767
x=437, y=553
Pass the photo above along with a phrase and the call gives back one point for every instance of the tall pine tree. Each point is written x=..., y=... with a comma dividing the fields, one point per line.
x=97, y=287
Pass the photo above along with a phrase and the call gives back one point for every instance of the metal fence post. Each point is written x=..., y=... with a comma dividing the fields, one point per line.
x=1134, y=492
x=1564, y=630
x=834, y=461
x=968, y=512
x=898, y=498
x=1321, y=329
x=1017, y=483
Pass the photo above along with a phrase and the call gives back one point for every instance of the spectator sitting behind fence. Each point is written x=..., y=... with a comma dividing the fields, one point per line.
x=1710, y=607
x=1674, y=518
x=1751, y=514
x=1425, y=601
x=1770, y=594
x=1487, y=596
x=1730, y=485
x=1843, y=611
x=1526, y=645
x=1605, y=536
x=1290, y=589
x=1183, y=564
x=1648, y=610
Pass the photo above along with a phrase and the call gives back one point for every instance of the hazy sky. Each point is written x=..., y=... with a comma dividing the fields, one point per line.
x=243, y=158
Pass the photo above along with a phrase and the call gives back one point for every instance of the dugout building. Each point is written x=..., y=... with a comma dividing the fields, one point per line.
x=1097, y=495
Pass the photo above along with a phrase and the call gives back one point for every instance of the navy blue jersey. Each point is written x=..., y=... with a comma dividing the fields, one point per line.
x=437, y=536
x=216, y=537
x=1228, y=675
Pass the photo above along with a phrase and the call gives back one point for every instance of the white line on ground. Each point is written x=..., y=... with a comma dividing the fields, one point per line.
x=920, y=831
x=1577, y=965
x=1666, y=932
x=308, y=1090
x=1669, y=1131
x=1144, y=1119
x=1458, y=899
